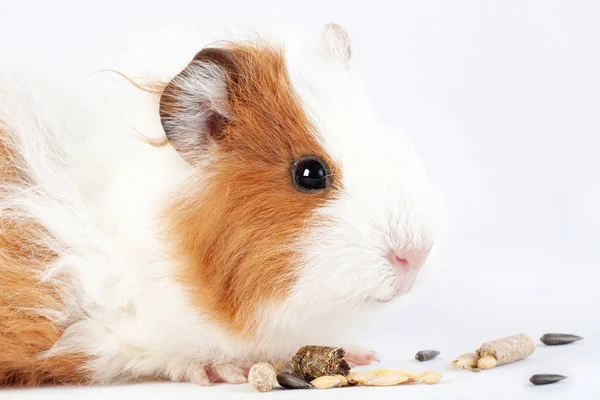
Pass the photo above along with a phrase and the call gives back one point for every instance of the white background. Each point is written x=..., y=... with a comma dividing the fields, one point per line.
x=503, y=101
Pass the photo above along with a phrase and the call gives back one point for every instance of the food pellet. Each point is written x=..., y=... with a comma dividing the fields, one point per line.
x=554, y=339
x=262, y=377
x=487, y=362
x=429, y=377
x=426, y=355
x=311, y=362
x=509, y=349
x=546, y=379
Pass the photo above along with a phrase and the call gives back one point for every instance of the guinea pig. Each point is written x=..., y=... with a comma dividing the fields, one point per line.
x=185, y=228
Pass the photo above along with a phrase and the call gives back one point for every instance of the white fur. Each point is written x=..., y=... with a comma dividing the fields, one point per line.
x=99, y=190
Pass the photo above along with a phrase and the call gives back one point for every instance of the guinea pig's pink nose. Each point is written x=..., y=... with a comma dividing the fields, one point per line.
x=409, y=259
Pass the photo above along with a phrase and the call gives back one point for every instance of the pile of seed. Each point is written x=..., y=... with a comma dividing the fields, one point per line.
x=498, y=352
x=317, y=367
x=290, y=380
x=511, y=349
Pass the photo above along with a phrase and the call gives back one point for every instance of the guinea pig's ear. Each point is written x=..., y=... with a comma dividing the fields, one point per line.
x=194, y=105
x=337, y=42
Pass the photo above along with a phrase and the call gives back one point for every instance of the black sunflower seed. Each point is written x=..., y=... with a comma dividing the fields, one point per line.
x=426, y=355
x=554, y=339
x=545, y=379
x=292, y=381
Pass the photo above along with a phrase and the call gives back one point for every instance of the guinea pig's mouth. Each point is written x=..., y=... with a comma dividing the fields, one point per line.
x=403, y=284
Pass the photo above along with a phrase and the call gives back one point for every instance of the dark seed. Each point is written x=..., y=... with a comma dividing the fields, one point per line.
x=553, y=339
x=426, y=355
x=545, y=379
x=292, y=381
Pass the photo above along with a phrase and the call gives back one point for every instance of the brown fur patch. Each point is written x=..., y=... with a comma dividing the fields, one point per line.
x=233, y=232
x=25, y=333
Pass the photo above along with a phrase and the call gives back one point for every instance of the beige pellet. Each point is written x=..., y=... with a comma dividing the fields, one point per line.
x=262, y=377
x=509, y=349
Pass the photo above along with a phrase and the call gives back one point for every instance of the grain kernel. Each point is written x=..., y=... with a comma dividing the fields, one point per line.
x=388, y=379
x=466, y=361
x=487, y=362
x=326, y=382
x=360, y=377
x=412, y=377
x=343, y=380
x=429, y=377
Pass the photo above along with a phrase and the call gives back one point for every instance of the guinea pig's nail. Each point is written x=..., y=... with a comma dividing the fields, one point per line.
x=426, y=355
x=553, y=339
x=545, y=379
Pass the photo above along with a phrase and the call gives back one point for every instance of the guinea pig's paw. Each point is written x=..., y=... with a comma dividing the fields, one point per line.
x=200, y=374
x=358, y=356
x=229, y=373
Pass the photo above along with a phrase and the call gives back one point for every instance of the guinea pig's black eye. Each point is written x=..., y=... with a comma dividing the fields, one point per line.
x=310, y=174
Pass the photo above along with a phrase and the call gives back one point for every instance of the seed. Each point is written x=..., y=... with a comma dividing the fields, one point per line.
x=412, y=377
x=292, y=381
x=429, y=377
x=466, y=361
x=262, y=377
x=388, y=379
x=487, y=362
x=343, y=380
x=426, y=355
x=553, y=339
x=326, y=382
x=360, y=377
x=545, y=379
